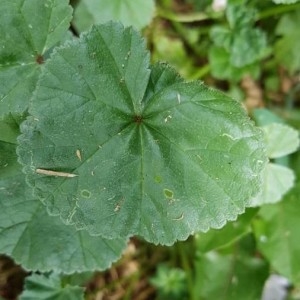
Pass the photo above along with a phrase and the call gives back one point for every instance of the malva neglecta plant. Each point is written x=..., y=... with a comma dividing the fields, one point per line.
x=98, y=145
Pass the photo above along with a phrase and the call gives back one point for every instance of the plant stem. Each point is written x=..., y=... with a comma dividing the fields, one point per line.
x=276, y=10
x=188, y=270
x=201, y=72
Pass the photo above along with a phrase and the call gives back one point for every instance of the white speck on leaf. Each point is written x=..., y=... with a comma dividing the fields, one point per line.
x=178, y=98
x=78, y=154
x=169, y=117
x=54, y=173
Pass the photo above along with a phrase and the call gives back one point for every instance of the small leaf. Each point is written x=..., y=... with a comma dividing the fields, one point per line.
x=137, y=13
x=243, y=44
x=38, y=241
x=42, y=287
x=139, y=135
x=232, y=277
x=28, y=29
x=221, y=67
x=277, y=181
x=171, y=49
x=277, y=234
x=286, y=48
x=9, y=127
x=170, y=283
x=263, y=117
x=216, y=238
x=281, y=139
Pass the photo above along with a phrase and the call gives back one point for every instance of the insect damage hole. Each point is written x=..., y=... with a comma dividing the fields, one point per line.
x=85, y=194
x=168, y=194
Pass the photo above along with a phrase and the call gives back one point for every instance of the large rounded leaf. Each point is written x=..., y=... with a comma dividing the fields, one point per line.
x=136, y=153
x=28, y=30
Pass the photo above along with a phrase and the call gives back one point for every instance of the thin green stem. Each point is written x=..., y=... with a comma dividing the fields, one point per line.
x=201, y=72
x=188, y=270
x=277, y=10
x=185, y=18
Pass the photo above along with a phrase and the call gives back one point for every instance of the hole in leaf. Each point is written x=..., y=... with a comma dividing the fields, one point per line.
x=86, y=194
x=168, y=194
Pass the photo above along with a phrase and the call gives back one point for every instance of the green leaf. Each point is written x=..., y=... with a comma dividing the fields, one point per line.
x=172, y=50
x=221, y=67
x=229, y=277
x=232, y=231
x=38, y=241
x=277, y=234
x=277, y=181
x=154, y=156
x=28, y=29
x=240, y=16
x=281, y=139
x=263, y=117
x=243, y=44
x=136, y=13
x=9, y=127
x=42, y=287
x=170, y=282
x=286, y=48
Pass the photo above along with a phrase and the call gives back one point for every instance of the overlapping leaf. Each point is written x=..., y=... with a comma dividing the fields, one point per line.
x=237, y=47
x=153, y=156
x=41, y=287
x=277, y=233
x=137, y=13
x=232, y=231
x=38, y=241
x=277, y=181
x=28, y=29
x=227, y=277
x=281, y=140
x=286, y=48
